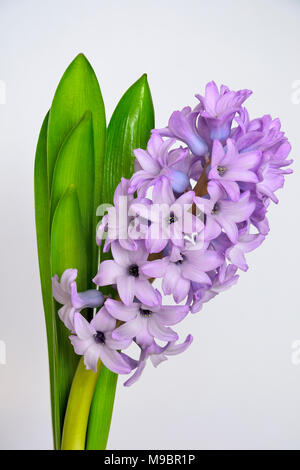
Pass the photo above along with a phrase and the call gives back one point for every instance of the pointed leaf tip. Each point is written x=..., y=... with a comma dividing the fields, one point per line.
x=129, y=128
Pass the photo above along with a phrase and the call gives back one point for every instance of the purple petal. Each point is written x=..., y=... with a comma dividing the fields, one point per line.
x=181, y=127
x=66, y=314
x=68, y=276
x=103, y=321
x=91, y=356
x=108, y=272
x=205, y=260
x=232, y=189
x=133, y=363
x=80, y=346
x=113, y=360
x=192, y=272
x=170, y=315
x=181, y=290
x=58, y=293
x=229, y=227
x=171, y=278
x=179, y=180
x=162, y=192
x=121, y=256
x=161, y=332
x=143, y=337
x=145, y=292
x=154, y=244
x=155, y=268
x=137, y=374
x=147, y=162
x=126, y=288
x=127, y=331
x=174, y=349
x=217, y=153
x=212, y=229
x=88, y=299
x=248, y=160
x=237, y=257
x=82, y=327
x=116, y=344
x=120, y=311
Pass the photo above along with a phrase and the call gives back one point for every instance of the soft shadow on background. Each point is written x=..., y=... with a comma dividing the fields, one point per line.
x=236, y=387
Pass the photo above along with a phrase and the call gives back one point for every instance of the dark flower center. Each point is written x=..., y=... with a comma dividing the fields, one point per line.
x=99, y=337
x=172, y=218
x=133, y=270
x=221, y=170
x=215, y=209
x=180, y=261
x=145, y=313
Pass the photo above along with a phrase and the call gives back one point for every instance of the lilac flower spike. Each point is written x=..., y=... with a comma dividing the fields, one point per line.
x=94, y=341
x=65, y=292
x=195, y=206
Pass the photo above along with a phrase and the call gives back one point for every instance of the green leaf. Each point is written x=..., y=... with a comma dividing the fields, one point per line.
x=128, y=129
x=77, y=92
x=42, y=214
x=101, y=410
x=75, y=165
x=68, y=250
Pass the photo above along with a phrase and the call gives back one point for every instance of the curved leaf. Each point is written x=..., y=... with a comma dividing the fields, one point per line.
x=75, y=165
x=68, y=250
x=77, y=92
x=42, y=215
x=101, y=410
x=128, y=129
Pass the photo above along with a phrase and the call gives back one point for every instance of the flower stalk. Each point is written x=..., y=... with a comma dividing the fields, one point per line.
x=78, y=408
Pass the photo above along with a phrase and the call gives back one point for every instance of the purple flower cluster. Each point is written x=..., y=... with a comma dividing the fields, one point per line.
x=196, y=204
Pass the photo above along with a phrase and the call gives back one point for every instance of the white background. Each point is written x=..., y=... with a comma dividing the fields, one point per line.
x=236, y=387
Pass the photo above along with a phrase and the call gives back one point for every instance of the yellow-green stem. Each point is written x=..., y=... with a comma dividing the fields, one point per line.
x=78, y=409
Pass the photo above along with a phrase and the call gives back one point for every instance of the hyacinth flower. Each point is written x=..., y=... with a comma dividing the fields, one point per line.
x=94, y=341
x=228, y=167
x=196, y=195
x=182, y=268
x=183, y=126
x=65, y=292
x=125, y=270
x=218, y=108
x=145, y=322
x=158, y=160
x=222, y=213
